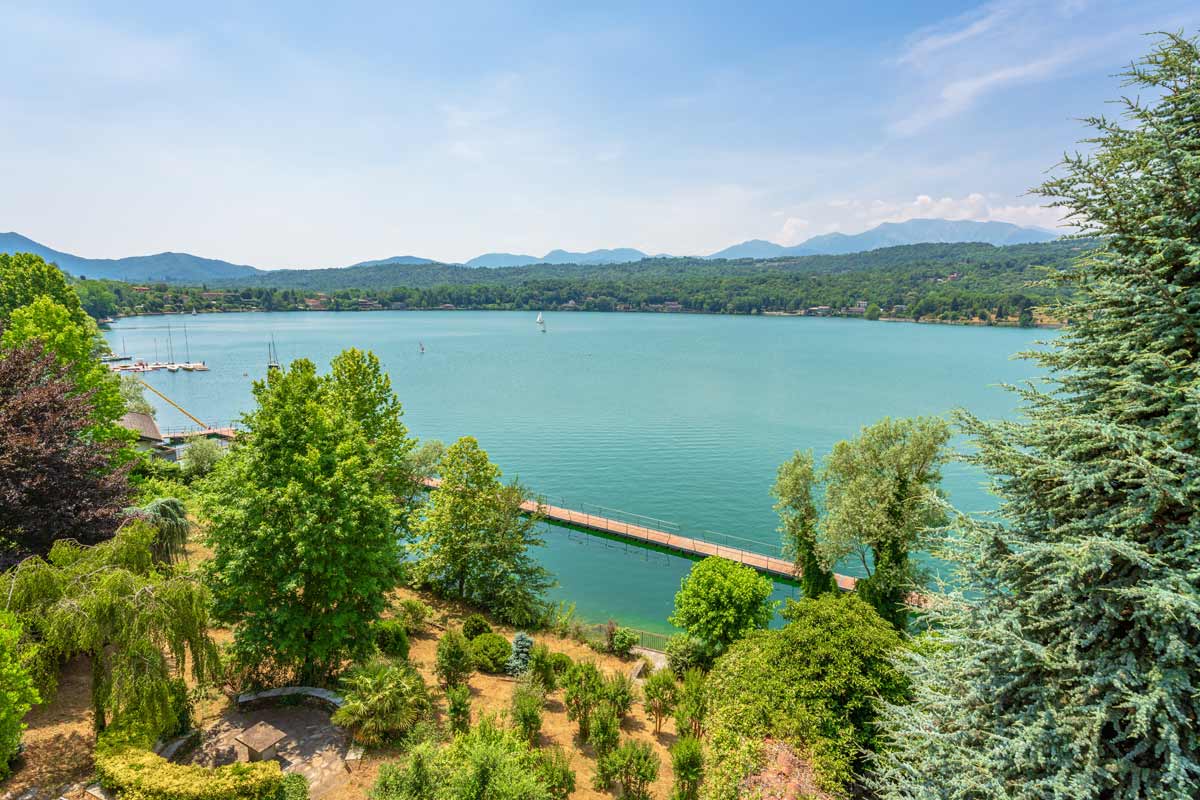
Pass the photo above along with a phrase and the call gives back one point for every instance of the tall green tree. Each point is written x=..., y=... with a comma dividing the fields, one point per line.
x=881, y=496
x=1068, y=666
x=797, y=510
x=302, y=528
x=474, y=542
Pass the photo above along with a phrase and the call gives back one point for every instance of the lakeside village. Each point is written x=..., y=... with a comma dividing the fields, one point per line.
x=329, y=608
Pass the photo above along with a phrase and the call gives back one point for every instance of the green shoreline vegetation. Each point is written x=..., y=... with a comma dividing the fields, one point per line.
x=966, y=283
x=1062, y=665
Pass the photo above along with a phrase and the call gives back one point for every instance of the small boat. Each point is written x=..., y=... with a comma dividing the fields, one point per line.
x=172, y=367
x=541, y=322
x=422, y=346
x=193, y=311
x=199, y=366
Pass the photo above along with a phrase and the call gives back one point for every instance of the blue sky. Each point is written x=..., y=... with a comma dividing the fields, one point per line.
x=323, y=134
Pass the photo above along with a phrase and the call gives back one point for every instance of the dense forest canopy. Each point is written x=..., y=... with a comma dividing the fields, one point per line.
x=947, y=281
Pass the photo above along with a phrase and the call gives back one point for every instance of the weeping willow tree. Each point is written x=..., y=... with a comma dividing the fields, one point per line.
x=168, y=517
x=1069, y=666
x=140, y=622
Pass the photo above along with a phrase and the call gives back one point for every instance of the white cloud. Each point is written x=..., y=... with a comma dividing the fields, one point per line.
x=794, y=231
x=859, y=215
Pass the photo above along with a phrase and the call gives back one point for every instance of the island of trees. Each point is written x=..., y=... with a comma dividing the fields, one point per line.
x=1062, y=664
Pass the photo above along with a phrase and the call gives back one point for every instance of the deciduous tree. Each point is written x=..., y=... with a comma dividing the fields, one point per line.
x=55, y=480
x=474, y=542
x=793, y=491
x=302, y=528
x=721, y=600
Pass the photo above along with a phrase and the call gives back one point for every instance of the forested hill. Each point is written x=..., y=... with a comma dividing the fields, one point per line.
x=952, y=282
x=915, y=262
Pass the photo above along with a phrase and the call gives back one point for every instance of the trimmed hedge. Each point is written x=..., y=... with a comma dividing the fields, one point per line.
x=138, y=774
x=391, y=637
x=491, y=651
x=474, y=626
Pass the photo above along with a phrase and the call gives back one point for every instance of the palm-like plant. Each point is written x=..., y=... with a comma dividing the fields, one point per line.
x=168, y=517
x=382, y=700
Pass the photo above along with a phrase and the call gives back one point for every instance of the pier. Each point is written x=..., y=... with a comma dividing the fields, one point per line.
x=687, y=546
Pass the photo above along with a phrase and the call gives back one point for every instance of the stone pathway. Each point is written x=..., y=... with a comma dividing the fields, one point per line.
x=314, y=747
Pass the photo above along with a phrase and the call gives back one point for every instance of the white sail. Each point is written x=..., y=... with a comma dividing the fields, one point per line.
x=540, y=321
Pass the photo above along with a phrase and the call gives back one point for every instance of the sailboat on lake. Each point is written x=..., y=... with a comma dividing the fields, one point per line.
x=541, y=322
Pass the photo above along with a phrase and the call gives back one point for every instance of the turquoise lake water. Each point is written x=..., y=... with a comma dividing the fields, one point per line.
x=680, y=418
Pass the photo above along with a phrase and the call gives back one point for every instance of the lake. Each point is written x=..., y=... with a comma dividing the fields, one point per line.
x=681, y=418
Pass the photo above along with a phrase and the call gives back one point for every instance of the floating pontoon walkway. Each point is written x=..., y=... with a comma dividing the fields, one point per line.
x=687, y=546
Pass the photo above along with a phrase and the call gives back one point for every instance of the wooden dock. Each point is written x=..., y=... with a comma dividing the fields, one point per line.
x=687, y=546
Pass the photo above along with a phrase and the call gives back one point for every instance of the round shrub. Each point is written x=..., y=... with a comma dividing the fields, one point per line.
x=561, y=663
x=413, y=613
x=382, y=700
x=518, y=662
x=685, y=652
x=391, y=637
x=624, y=640
x=475, y=625
x=295, y=787
x=491, y=651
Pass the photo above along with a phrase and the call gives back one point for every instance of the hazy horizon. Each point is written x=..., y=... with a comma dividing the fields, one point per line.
x=278, y=136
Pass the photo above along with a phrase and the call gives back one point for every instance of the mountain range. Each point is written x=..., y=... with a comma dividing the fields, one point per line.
x=186, y=268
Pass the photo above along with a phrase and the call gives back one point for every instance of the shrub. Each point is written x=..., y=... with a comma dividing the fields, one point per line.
x=475, y=625
x=623, y=641
x=620, y=693
x=199, y=458
x=554, y=769
x=391, y=637
x=413, y=779
x=691, y=704
x=687, y=763
x=685, y=652
x=562, y=663
x=583, y=687
x=455, y=661
x=491, y=651
x=721, y=600
x=295, y=787
x=123, y=765
x=816, y=682
x=382, y=700
x=662, y=692
x=605, y=731
x=518, y=662
x=414, y=614
x=458, y=708
x=541, y=667
x=18, y=693
x=634, y=767
x=527, y=701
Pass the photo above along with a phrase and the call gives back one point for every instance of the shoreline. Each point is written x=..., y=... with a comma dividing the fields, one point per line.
x=973, y=323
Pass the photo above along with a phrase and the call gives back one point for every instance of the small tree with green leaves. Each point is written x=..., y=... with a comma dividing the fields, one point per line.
x=691, y=704
x=604, y=735
x=522, y=650
x=661, y=693
x=583, y=689
x=634, y=767
x=541, y=667
x=620, y=692
x=528, y=698
x=554, y=769
x=458, y=707
x=199, y=458
x=687, y=763
x=720, y=600
x=455, y=660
